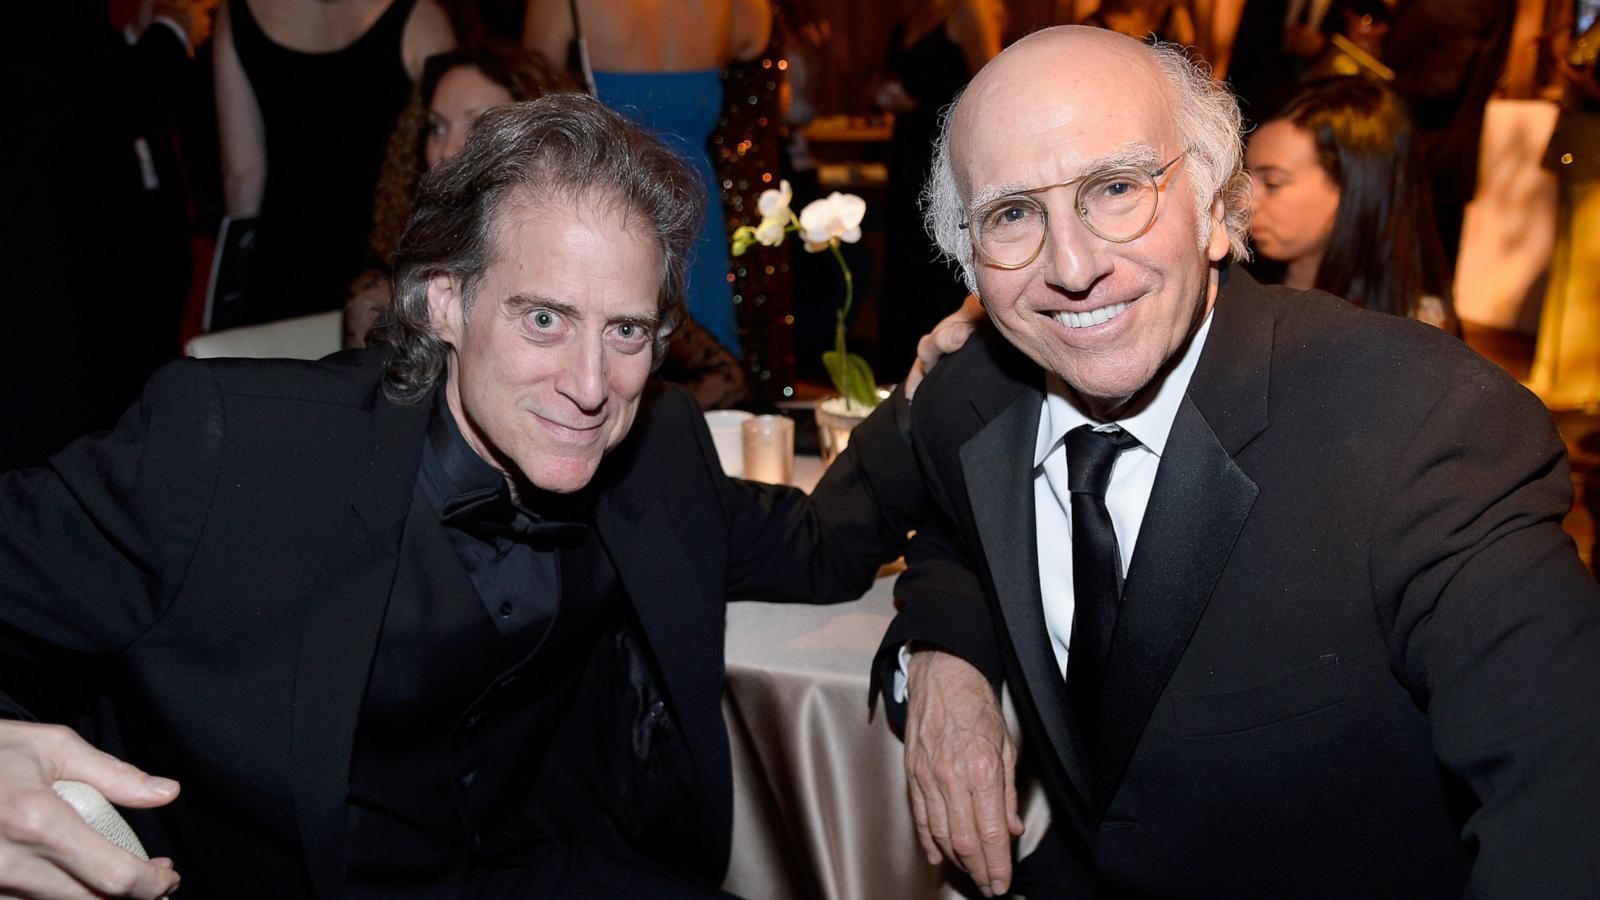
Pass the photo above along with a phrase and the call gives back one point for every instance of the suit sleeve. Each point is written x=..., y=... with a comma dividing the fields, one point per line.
x=941, y=597
x=1494, y=626
x=94, y=543
x=825, y=548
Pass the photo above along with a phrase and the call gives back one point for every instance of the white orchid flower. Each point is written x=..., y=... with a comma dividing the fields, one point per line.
x=774, y=204
x=835, y=217
x=770, y=232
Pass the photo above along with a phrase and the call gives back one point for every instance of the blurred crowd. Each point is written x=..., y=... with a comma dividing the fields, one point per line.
x=190, y=165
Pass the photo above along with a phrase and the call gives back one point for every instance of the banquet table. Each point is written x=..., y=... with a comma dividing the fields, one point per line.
x=820, y=807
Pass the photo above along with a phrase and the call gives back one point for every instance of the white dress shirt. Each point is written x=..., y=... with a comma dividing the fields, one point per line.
x=1133, y=475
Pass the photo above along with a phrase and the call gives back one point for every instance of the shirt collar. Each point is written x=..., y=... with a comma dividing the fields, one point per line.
x=1150, y=424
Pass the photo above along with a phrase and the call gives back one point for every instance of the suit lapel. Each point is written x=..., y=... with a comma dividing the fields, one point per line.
x=682, y=621
x=670, y=602
x=340, y=635
x=1197, y=508
x=996, y=464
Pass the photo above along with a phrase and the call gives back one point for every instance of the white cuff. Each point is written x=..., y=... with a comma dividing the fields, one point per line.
x=901, y=676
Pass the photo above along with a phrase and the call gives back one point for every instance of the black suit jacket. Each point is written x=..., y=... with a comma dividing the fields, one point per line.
x=221, y=564
x=1356, y=655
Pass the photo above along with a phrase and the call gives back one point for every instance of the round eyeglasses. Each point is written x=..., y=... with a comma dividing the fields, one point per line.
x=1116, y=204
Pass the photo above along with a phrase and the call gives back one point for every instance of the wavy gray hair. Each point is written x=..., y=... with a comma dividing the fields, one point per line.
x=1208, y=123
x=563, y=145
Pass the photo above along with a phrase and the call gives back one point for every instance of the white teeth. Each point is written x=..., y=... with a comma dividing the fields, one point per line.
x=1093, y=317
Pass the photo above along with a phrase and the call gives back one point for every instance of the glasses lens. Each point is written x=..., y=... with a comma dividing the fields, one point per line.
x=1118, y=204
x=1010, y=229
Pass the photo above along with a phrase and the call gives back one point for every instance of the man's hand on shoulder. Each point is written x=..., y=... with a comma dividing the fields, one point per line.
x=46, y=850
x=946, y=338
x=960, y=768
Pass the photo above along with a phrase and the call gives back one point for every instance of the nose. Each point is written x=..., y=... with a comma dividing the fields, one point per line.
x=1074, y=256
x=584, y=376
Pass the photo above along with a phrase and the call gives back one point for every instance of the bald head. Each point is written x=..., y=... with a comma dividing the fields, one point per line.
x=1059, y=87
x=1048, y=76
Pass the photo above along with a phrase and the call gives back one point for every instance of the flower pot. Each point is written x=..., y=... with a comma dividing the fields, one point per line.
x=836, y=416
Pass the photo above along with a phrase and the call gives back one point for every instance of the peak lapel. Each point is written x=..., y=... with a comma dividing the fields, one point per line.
x=996, y=464
x=340, y=637
x=1198, y=505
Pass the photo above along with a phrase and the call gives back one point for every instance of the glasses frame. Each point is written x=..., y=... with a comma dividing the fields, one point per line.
x=1077, y=206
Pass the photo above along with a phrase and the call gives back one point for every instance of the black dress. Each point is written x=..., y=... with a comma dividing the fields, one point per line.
x=327, y=118
x=919, y=289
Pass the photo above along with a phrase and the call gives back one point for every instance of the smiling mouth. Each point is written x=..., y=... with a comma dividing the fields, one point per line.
x=1092, y=317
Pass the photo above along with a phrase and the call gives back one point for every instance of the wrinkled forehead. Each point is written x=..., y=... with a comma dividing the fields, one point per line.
x=1057, y=109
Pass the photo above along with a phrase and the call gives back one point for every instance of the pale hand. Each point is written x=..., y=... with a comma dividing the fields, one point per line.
x=46, y=850
x=946, y=337
x=960, y=769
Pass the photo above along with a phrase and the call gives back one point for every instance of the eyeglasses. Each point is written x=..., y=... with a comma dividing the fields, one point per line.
x=1116, y=204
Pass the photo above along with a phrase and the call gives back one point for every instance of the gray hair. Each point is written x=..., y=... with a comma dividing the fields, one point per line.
x=562, y=145
x=1208, y=123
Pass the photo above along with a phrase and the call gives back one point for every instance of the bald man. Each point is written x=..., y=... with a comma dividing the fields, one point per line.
x=1278, y=586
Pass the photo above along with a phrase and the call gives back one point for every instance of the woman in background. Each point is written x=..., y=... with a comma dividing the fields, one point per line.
x=660, y=63
x=456, y=88
x=1340, y=201
x=307, y=93
x=932, y=55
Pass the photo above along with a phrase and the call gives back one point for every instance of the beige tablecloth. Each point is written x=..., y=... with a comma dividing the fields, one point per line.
x=820, y=806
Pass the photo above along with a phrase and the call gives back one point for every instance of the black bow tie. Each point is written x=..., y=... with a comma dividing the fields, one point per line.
x=488, y=513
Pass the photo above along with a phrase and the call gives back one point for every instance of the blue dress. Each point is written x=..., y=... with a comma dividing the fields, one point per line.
x=682, y=109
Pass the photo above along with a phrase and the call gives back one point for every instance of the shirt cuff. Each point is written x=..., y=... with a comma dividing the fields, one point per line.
x=176, y=29
x=901, y=676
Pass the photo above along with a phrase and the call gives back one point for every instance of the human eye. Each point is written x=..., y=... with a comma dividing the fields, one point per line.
x=631, y=337
x=436, y=127
x=543, y=323
x=1007, y=216
x=1115, y=185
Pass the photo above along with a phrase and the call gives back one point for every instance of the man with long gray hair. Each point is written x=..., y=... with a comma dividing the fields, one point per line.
x=443, y=618
x=1278, y=586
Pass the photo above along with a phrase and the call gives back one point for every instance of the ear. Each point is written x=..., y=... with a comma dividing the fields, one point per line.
x=445, y=308
x=1218, y=245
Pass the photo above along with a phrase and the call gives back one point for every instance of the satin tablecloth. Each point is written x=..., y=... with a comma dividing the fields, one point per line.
x=820, y=807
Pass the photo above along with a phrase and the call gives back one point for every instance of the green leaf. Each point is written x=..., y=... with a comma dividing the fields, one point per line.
x=852, y=377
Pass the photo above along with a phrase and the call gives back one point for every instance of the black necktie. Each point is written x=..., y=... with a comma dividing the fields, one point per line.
x=1096, y=566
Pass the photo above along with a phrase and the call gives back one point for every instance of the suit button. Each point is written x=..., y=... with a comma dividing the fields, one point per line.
x=658, y=709
x=469, y=778
x=473, y=720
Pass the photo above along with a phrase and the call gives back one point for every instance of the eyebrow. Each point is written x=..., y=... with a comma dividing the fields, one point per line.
x=1134, y=154
x=519, y=304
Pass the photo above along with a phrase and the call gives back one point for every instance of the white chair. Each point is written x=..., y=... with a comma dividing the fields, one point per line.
x=303, y=337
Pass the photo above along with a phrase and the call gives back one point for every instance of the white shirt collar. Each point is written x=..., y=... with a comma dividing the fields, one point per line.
x=1151, y=424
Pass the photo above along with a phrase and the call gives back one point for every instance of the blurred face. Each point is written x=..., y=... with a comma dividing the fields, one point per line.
x=1104, y=316
x=551, y=359
x=461, y=96
x=1293, y=201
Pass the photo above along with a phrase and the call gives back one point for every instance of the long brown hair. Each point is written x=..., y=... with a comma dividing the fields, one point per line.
x=523, y=73
x=1384, y=252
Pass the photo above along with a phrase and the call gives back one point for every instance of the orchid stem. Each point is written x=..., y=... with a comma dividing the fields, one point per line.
x=849, y=297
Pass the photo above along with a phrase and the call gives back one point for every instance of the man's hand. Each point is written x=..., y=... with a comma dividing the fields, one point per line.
x=946, y=337
x=46, y=850
x=960, y=769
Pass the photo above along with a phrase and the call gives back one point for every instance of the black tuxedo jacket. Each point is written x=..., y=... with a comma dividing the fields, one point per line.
x=1356, y=655
x=220, y=565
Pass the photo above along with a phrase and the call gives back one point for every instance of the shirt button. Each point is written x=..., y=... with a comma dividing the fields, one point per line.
x=657, y=709
x=505, y=610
